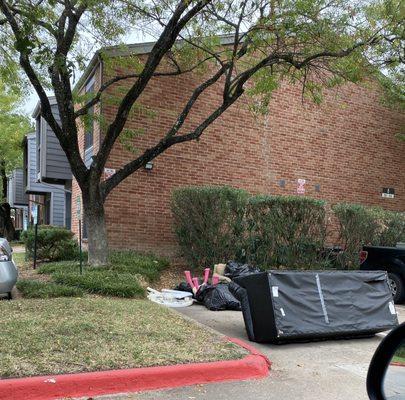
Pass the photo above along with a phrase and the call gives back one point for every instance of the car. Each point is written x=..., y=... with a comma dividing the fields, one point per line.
x=390, y=259
x=8, y=269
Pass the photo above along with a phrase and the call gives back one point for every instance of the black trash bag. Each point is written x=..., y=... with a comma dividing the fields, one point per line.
x=234, y=269
x=241, y=294
x=184, y=287
x=217, y=298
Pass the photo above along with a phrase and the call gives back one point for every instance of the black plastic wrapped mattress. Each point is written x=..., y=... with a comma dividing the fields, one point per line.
x=282, y=306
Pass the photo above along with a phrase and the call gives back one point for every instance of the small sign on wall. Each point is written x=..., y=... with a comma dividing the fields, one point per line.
x=301, y=186
x=388, y=193
x=108, y=173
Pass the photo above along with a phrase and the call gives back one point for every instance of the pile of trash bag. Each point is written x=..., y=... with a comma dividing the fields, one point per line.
x=216, y=295
x=234, y=269
x=217, y=298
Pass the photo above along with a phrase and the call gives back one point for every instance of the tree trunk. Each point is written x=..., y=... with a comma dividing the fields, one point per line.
x=94, y=216
x=6, y=224
x=3, y=180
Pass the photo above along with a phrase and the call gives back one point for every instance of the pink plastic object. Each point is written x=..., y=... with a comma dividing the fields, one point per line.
x=188, y=278
x=206, y=275
x=215, y=280
x=196, y=284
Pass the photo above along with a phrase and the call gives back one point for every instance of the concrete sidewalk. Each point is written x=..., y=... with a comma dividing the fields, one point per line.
x=329, y=370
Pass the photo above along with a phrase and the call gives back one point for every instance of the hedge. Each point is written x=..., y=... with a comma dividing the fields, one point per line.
x=361, y=225
x=208, y=222
x=285, y=231
x=216, y=223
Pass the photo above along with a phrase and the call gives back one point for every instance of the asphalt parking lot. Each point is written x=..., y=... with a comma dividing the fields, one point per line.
x=328, y=370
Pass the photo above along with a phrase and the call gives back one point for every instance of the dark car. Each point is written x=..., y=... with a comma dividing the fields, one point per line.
x=390, y=259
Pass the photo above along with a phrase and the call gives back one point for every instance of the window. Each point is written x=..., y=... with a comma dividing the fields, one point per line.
x=88, y=138
x=68, y=210
x=38, y=145
x=47, y=209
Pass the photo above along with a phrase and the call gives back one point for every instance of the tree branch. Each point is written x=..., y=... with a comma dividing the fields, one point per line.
x=151, y=153
x=163, y=44
x=106, y=85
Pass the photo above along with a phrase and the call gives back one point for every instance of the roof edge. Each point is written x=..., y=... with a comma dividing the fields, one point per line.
x=124, y=50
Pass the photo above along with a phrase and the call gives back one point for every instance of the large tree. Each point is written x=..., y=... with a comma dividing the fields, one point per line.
x=13, y=125
x=315, y=43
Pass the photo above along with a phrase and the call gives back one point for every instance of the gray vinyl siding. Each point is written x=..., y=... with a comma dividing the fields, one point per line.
x=33, y=186
x=57, y=192
x=53, y=162
x=58, y=208
x=10, y=192
x=17, y=195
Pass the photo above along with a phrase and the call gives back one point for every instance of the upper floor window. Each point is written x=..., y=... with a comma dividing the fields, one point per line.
x=88, y=137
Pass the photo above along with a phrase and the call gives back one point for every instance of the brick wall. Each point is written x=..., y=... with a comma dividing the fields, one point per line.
x=345, y=150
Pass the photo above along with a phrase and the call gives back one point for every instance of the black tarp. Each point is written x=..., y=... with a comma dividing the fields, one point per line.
x=280, y=306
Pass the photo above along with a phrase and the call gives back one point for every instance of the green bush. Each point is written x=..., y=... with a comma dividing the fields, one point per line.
x=208, y=222
x=44, y=290
x=104, y=282
x=361, y=225
x=391, y=227
x=53, y=243
x=286, y=231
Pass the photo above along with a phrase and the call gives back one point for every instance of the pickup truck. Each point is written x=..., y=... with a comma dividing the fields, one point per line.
x=390, y=259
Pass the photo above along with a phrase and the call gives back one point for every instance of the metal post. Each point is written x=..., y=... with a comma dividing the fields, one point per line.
x=34, y=212
x=35, y=245
x=79, y=217
x=80, y=247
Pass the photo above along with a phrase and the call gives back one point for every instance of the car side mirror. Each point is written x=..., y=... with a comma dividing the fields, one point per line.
x=386, y=374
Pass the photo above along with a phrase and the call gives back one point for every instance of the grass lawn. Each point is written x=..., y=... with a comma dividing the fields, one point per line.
x=65, y=335
x=19, y=258
x=399, y=356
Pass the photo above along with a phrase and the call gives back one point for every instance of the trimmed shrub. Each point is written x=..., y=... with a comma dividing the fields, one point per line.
x=287, y=231
x=360, y=225
x=357, y=227
x=105, y=282
x=208, y=222
x=391, y=227
x=45, y=290
x=53, y=243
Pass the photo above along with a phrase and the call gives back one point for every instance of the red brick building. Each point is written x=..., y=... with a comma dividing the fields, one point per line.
x=344, y=149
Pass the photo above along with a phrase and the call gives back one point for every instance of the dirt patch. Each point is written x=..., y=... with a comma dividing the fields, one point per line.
x=171, y=277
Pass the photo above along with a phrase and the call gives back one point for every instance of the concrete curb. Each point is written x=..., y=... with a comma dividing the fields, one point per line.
x=253, y=366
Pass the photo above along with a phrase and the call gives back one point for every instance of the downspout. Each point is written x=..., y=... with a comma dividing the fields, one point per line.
x=101, y=103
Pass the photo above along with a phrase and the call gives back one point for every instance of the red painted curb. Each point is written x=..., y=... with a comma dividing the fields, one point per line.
x=398, y=364
x=255, y=365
